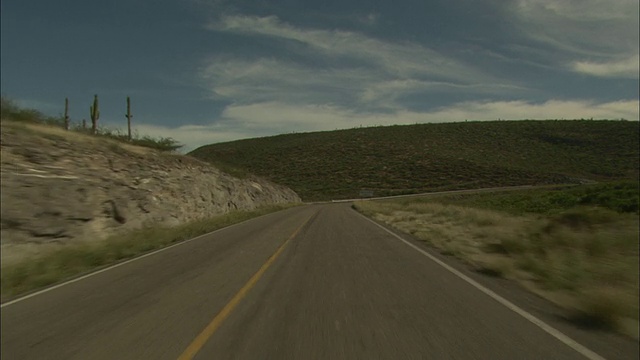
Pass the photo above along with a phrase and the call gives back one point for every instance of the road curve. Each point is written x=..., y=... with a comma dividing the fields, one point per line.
x=312, y=282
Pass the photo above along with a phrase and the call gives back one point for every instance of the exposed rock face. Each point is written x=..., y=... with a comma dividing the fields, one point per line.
x=60, y=187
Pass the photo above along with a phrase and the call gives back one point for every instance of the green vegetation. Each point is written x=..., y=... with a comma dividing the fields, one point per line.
x=77, y=258
x=9, y=110
x=618, y=196
x=577, y=246
x=12, y=112
x=161, y=143
x=397, y=160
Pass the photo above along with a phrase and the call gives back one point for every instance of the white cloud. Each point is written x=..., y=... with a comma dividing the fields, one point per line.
x=583, y=10
x=389, y=91
x=398, y=59
x=588, y=27
x=597, y=37
x=272, y=118
x=552, y=109
x=627, y=68
x=339, y=68
x=271, y=80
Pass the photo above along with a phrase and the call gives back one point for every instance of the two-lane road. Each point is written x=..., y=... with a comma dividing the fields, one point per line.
x=312, y=282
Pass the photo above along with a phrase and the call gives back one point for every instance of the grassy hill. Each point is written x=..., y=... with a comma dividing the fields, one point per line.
x=429, y=157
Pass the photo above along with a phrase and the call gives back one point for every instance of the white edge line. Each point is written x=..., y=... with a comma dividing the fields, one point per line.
x=124, y=263
x=589, y=354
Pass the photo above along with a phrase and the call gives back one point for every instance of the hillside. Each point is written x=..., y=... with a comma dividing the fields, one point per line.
x=62, y=187
x=428, y=157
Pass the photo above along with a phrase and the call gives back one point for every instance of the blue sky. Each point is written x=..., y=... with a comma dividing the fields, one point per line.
x=205, y=71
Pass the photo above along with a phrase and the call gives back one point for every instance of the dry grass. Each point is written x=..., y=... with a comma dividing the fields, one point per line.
x=57, y=133
x=584, y=259
x=50, y=131
x=70, y=260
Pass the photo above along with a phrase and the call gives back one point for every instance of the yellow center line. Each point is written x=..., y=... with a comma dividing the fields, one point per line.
x=217, y=321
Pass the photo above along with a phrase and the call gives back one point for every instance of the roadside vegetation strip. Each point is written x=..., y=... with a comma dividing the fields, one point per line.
x=579, y=251
x=75, y=259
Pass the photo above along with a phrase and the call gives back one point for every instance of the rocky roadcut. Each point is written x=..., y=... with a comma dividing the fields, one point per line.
x=59, y=187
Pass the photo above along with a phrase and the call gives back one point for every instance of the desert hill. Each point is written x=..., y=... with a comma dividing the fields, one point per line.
x=429, y=157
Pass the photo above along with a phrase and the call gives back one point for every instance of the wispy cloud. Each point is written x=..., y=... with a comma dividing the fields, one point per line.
x=366, y=89
x=356, y=70
x=626, y=68
x=551, y=109
x=388, y=92
x=250, y=81
x=596, y=37
x=398, y=59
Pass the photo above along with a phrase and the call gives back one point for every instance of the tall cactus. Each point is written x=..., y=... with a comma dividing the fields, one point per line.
x=66, y=114
x=95, y=115
x=129, y=116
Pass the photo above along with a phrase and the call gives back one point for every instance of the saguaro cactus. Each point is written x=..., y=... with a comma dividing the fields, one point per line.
x=66, y=114
x=95, y=115
x=129, y=116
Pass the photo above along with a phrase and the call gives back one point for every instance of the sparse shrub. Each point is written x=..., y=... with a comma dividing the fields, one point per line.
x=490, y=271
x=162, y=143
x=565, y=270
x=596, y=244
x=584, y=217
x=11, y=111
x=449, y=252
x=534, y=266
x=485, y=221
x=513, y=246
x=598, y=308
x=619, y=196
x=495, y=248
x=496, y=268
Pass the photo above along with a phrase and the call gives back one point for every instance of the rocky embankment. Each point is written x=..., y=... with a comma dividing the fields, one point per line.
x=59, y=187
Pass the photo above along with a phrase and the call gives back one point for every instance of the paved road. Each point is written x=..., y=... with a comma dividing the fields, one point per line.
x=313, y=282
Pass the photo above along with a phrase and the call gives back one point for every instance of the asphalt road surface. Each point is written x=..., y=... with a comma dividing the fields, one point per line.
x=312, y=282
